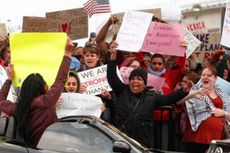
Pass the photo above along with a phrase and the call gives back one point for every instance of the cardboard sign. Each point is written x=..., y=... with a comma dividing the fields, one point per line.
x=35, y=24
x=164, y=39
x=210, y=44
x=79, y=104
x=133, y=30
x=37, y=53
x=3, y=30
x=225, y=38
x=74, y=22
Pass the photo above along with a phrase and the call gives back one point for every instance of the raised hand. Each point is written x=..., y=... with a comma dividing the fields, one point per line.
x=69, y=47
x=105, y=94
x=113, y=20
x=10, y=71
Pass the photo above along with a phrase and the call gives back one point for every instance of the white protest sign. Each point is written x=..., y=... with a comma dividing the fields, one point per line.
x=95, y=80
x=225, y=38
x=193, y=42
x=79, y=104
x=3, y=30
x=133, y=30
x=3, y=77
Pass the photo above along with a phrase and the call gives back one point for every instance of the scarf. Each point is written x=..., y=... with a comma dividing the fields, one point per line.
x=149, y=70
x=199, y=110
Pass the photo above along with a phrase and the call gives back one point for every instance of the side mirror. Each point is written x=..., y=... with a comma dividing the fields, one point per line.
x=121, y=146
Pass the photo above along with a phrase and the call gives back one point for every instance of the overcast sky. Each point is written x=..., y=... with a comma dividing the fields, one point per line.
x=14, y=9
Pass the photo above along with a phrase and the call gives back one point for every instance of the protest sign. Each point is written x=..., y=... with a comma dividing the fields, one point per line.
x=74, y=22
x=197, y=27
x=3, y=30
x=3, y=77
x=79, y=104
x=193, y=43
x=210, y=44
x=37, y=53
x=164, y=39
x=155, y=12
x=125, y=72
x=35, y=24
x=133, y=30
x=225, y=38
x=95, y=80
x=155, y=81
x=222, y=84
x=152, y=80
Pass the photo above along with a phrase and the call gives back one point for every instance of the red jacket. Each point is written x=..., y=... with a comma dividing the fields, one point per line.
x=172, y=77
x=43, y=111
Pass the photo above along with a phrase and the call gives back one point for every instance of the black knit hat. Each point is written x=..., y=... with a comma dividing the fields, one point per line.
x=139, y=72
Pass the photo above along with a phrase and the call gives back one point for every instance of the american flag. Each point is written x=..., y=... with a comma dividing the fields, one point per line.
x=96, y=6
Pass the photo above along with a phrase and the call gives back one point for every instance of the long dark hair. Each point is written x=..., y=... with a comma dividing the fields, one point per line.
x=32, y=86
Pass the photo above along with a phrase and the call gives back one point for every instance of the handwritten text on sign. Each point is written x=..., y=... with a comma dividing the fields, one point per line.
x=79, y=104
x=193, y=43
x=164, y=39
x=133, y=30
x=226, y=27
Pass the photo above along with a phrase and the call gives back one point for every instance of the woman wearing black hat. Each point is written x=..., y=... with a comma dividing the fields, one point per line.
x=134, y=103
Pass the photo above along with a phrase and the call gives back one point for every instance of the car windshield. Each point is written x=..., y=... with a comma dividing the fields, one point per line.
x=77, y=137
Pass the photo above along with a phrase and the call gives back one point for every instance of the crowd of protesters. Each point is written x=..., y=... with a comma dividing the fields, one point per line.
x=133, y=108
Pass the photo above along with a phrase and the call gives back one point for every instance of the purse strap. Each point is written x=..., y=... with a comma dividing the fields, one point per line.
x=128, y=118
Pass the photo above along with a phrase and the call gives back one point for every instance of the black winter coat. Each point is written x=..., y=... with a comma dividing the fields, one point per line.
x=138, y=125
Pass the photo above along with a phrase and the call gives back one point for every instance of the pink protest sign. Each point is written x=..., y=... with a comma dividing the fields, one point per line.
x=155, y=81
x=125, y=72
x=164, y=39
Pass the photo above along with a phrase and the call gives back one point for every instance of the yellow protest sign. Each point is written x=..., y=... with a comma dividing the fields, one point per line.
x=36, y=53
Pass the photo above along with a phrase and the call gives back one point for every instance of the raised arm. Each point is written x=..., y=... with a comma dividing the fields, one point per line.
x=51, y=97
x=102, y=33
x=112, y=77
x=6, y=105
x=165, y=100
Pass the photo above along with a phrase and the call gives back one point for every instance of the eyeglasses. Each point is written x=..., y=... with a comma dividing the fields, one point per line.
x=157, y=63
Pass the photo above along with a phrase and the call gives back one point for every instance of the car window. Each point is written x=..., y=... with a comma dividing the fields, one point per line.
x=74, y=137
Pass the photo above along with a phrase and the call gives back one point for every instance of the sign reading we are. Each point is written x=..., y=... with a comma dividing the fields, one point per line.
x=95, y=80
x=164, y=39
